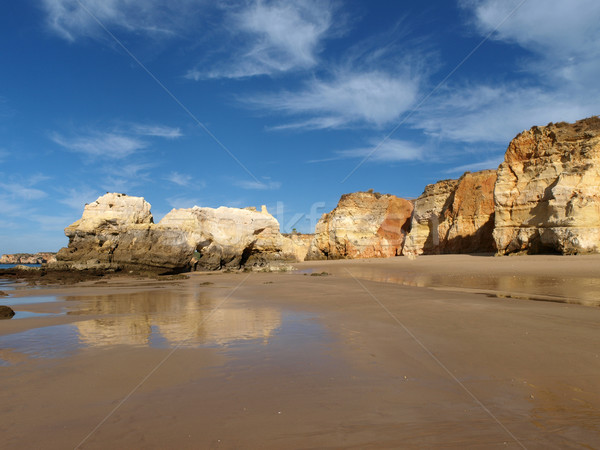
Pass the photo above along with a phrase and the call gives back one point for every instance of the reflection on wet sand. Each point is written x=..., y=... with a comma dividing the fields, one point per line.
x=159, y=318
x=583, y=291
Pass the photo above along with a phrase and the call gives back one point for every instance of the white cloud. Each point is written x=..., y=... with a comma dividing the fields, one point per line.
x=371, y=98
x=116, y=143
x=77, y=198
x=157, y=131
x=486, y=113
x=258, y=185
x=564, y=36
x=491, y=163
x=273, y=37
x=179, y=179
x=124, y=177
x=555, y=81
x=540, y=24
x=183, y=202
x=20, y=191
x=70, y=20
x=101, y=144
x=392, y=150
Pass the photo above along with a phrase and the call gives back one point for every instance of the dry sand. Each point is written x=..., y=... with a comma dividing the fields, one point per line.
x=440, y=352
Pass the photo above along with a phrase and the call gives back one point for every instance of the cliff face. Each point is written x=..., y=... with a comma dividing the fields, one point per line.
x=363, y=225
x=117, y=231
x=547, y=195
x=454, y=216
x=28, y=258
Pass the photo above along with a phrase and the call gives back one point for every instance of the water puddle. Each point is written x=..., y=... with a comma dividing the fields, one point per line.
x=30, y=314
x=156, y=319
x=583, y=291
x=18, y=301
x=48, y=342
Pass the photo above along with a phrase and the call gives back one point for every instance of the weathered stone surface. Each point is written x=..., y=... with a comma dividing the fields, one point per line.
x=547, y=194
x=6, y=312
x=117, y=231
x=28, y=258
x=454, y=216
x=362, y=225
x=231, y=237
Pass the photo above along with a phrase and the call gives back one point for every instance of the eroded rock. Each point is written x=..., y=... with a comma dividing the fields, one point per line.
x=547, y=194
x=454, y=216
x=362, y=225
x=117, y=231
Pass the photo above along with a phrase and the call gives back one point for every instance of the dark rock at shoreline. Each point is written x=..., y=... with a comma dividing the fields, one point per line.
x=45, y=276
x=6, y=312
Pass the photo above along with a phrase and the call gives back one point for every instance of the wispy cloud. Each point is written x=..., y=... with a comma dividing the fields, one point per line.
x=157, y=131
x=372, y=98
x=77, y=198
x=183, y=202
x=267, y=184
x=179, y=179
x=392, y=150
x=118, y=142
x=486, y=113
x=272, y=37
x=557, y=81
x=124, y=177
x=101, y=144
x=71, y=21
x=23, y=192
x=491, y=163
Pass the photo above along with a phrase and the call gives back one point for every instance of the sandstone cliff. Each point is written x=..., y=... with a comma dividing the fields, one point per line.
x=28, y=258
x=454, y=216
x=362, y=225
x=117, y=231
x=547, y=195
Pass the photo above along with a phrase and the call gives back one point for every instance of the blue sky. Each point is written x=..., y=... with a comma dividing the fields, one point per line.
x=239, y=103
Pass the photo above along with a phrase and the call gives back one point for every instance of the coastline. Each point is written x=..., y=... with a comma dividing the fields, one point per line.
x=286, y=359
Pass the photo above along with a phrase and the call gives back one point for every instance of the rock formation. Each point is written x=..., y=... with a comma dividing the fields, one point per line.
x=6, y=312
x=547, y=195
x=362, y=225
x=454, y=216
x=117, y=231
x=28, y=258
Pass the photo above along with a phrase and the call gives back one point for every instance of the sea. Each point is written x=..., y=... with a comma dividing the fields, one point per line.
x=10, y=266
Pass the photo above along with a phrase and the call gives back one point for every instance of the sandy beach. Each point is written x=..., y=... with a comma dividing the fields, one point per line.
x=445, y=351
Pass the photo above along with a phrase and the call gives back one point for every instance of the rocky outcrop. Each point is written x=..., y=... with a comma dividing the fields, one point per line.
x=362, y=225
x=547, y=196
x=6, y=312
x=231, y=237
x=28, y=258
x=454, y=216
x=117, y=231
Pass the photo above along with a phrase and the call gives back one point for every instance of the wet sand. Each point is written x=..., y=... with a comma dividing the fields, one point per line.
x=442, y=352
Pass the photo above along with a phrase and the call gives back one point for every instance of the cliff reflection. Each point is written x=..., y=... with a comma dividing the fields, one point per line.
x=164, y=318
x=583, y=291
